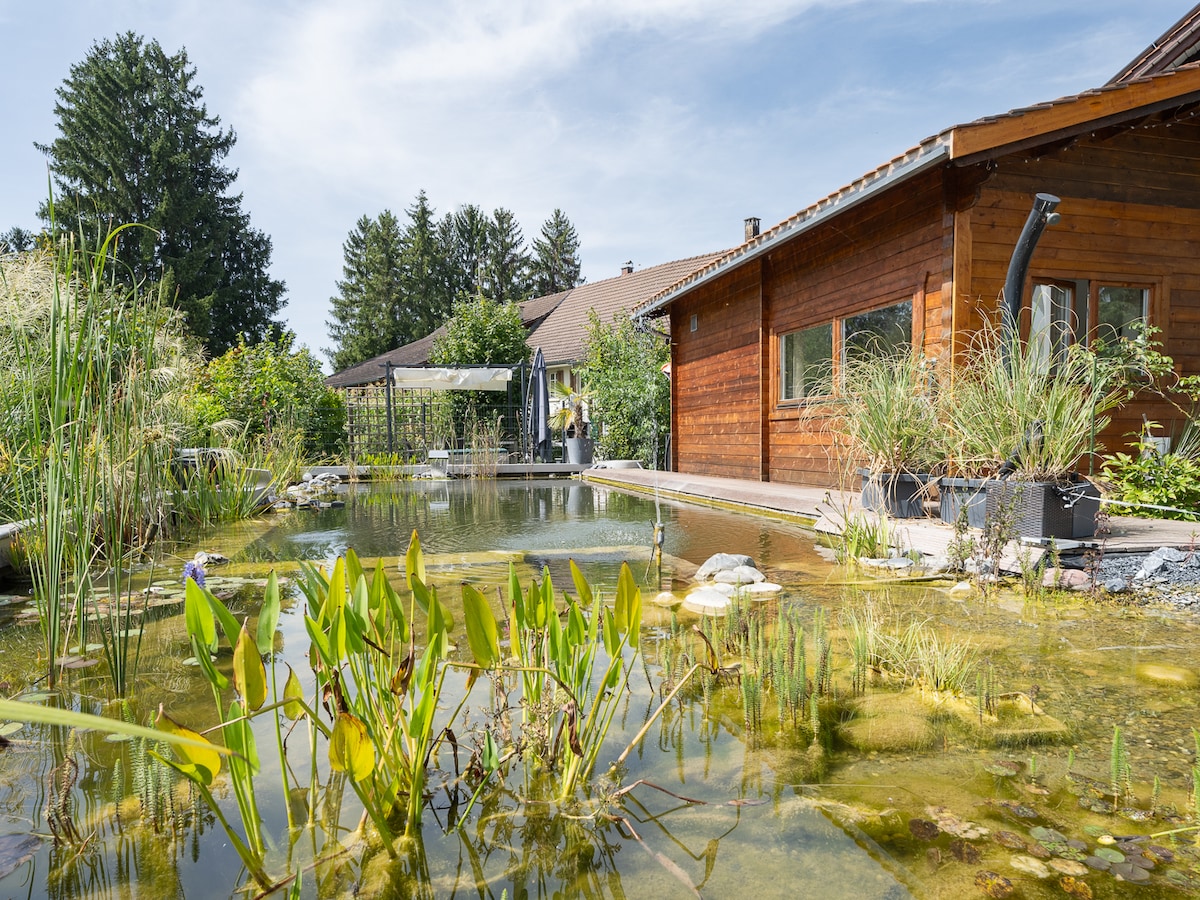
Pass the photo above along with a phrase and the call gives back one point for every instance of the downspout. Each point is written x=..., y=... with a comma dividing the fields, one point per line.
x=1040, y=216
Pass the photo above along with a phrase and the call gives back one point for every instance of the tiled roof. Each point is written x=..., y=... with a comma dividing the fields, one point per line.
x=1177, y=46
x=984, y=137
x=533, y=312
x=563, y=334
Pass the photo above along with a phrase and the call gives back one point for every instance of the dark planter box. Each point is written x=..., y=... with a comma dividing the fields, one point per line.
x=957, y=494
x=899, y=494
x=1046, y=509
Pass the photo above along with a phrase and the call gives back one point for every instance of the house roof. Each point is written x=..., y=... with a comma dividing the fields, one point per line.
x=533, y=312
x=986, y=138
x=1178, y=45
x=563, y=335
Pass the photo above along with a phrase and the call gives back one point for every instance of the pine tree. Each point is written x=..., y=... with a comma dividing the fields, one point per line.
x=464, y=238
x=370, y=304
x=556, y=265
x=136, y=145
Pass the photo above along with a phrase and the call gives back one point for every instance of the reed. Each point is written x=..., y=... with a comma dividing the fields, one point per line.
x=92, y=394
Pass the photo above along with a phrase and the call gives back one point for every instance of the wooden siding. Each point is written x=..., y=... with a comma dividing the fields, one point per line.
x=715, y=378
x=1130, y=213
x=885, y=252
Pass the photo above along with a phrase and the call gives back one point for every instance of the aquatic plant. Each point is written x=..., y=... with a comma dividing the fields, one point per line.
x=93, y=394
x=864, y=535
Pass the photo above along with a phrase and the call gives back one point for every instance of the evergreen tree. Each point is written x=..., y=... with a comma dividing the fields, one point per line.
x=555, y=266
x=136, y=145
x=426, y=276
x=506, y=267
x=464, y=239
x=367, y=310
x=16, y=240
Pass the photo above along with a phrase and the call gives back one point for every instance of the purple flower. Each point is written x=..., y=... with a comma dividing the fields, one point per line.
x=194, y=571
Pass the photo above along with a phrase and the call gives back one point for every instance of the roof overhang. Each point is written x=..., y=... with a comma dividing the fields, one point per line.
x=932, y=153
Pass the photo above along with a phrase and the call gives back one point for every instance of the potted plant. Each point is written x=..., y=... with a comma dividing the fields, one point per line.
x=1032, y=420
x=569, y=418
x=890, y=425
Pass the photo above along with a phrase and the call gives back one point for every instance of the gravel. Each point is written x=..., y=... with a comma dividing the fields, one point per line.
x=1167, y=575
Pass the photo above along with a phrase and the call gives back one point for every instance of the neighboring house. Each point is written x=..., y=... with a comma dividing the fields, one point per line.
x=533, y=313
x=917, y=250
x=557, y=324
x=563, y=335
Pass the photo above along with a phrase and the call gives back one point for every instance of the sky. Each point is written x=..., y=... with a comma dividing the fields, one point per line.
x=657, y=126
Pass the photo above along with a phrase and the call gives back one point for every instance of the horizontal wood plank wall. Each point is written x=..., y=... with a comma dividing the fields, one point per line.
x=715, y=378
x=1130, y=212
x=886, y=251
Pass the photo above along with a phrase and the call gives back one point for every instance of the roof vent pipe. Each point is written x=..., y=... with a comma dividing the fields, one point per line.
x=752, y=227
x=627, y=269
x=1040, y=216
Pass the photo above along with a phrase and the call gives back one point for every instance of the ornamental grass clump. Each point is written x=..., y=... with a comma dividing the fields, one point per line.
x=1007, y=409
x=890, y=418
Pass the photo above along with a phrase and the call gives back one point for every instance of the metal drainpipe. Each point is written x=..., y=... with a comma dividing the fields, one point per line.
x=1040, y=216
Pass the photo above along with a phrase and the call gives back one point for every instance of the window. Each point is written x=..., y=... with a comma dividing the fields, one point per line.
x=807, y=362
x=1118, y=308
x=878, y=331
x=1065, y=311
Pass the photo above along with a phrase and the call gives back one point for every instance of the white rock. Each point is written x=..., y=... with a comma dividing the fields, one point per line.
x=707, y=602
x=719, y=561
x=665, y=598
x=740, y=575
x=722, y=587
x=963, y=587
x=762, y=588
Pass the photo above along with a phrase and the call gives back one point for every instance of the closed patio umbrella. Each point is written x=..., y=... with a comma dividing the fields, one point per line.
x=539, y=410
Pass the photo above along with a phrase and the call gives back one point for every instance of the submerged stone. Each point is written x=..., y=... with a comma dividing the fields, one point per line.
x=707, y=602
x=888, y=723
x=1167, y=675
x=720, y=561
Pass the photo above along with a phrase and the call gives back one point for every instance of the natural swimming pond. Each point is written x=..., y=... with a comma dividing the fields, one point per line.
x=844, y=747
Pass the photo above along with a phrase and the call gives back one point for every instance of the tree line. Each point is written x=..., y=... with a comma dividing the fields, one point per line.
x=401, y=280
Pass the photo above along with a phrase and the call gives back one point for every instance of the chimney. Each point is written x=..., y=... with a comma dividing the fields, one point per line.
x=627, y=269
x=752, y=225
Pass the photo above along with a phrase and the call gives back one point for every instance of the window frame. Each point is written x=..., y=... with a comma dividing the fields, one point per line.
x=805, y=396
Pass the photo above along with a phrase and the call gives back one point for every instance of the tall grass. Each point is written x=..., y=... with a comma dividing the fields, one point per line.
x=92, y=396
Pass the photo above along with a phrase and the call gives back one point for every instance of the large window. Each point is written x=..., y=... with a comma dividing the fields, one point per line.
x=807, y=362
x=879, y=331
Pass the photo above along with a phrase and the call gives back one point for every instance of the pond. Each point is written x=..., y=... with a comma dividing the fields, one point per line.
x=935, y=743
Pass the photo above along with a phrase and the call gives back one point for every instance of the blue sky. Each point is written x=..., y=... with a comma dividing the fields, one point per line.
x=656, y=125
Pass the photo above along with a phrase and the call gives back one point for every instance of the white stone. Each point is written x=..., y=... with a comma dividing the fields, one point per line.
x=707, y=602
x=740, y=575
x=723, y=588
x=719, y=561
x=761, y=588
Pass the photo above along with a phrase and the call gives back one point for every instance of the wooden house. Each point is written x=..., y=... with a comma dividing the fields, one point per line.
x=918, y=249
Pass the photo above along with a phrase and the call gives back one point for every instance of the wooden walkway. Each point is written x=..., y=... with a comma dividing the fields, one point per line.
x=826, y=510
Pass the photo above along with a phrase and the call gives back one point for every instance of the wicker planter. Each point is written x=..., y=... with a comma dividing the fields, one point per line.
x=899, y=494
x=1045, y=509
x=957, y=494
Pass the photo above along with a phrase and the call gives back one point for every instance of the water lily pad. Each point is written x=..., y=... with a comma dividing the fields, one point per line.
x=923, y=829
x=1135, y=815
x=1096, y=805
x=8, y=729
x=952, y=824
x=1095, y=830
x=1009, y=839
x=1063, y=850
x=1159, y=853
x=993, y=884
x=117, y=738
x=80, y=663
x=1129, y=872
x=1068, y=867
x=1075, y=888
x=1141, y=861
x=1020, y=810
x=1030, y=866
x=1038, y=833
x=1111, y=854
x=965, y=851
x=1095, y=862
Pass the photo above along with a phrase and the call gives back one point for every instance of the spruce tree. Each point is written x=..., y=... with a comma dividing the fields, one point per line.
x=506, y=269
x=555, y=266
x=368, y=309
x=137, y=145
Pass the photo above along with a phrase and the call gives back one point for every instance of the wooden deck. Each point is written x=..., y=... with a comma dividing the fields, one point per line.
x=826, y=511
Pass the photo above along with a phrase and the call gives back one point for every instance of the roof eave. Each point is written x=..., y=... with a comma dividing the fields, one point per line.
x=930, y=154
